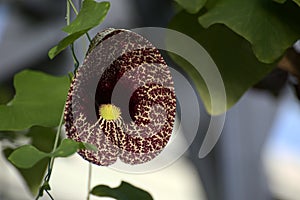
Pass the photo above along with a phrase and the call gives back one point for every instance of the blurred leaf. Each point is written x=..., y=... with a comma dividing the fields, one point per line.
x=26, y=156
x=39, y=100
x=271, y=28
x=8, y=135
x=125, y=191
x=192, y=6
x=91, y=15
x=43, y=139
x=232, y=54
x=283, y=1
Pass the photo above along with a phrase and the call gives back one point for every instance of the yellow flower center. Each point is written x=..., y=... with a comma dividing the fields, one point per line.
x=109, y=111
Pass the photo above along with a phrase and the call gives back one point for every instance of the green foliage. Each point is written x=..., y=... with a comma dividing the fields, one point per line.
x=64, y=43
x=192, y=6
x=91, y=14
x=43, y=139
x=271, y=28
x=233, y=56
x=125, y=191
x=39, y=100
x=230, y=30
x=27, y=156
x=89, y=146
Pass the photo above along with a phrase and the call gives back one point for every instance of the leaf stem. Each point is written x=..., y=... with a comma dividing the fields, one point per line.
x=68, y=18
x=89, y=181
x=56, y=140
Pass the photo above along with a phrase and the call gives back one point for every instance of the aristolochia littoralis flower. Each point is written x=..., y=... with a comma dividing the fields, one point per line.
x=121, y=100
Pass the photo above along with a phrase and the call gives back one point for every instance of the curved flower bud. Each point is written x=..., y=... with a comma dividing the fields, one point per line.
x=121, y=100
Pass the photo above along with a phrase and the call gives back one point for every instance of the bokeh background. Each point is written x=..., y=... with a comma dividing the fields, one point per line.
x=257, y=156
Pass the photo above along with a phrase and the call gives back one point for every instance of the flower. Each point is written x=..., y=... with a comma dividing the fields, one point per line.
x=122, y=100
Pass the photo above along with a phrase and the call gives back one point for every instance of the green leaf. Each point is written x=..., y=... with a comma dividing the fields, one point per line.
x=26, y=156
x=91, y=15
x=125, y=191
x=43, y=139
x=232, y=54
x=270, y=27
x=283, y=1
x=192, y=6
x=89, y=146
x=39, y=100
x=64, y=43
x=67, y=148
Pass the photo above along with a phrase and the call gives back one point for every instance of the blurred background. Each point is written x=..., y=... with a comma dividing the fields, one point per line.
x=257, y=156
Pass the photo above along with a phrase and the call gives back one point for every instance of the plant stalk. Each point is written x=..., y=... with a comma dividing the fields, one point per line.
x=89, y=181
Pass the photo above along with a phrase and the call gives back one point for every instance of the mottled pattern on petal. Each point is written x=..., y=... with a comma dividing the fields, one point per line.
x=124, y=69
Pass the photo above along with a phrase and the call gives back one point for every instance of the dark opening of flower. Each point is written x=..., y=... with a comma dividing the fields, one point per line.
x=121, y=100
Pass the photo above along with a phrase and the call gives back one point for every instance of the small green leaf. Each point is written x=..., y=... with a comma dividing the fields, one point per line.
x=271, y=28
x=91, y=15
x=26, y=156
x=42, y=138
x=192, y=6
x=39, y=100
x=66, y=148
x=232, y=54
x=125, y=191
x=64, y=43
x=89, y=146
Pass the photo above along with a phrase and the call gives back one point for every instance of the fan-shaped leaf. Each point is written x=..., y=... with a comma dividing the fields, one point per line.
x=232, y=54
x=39, y=100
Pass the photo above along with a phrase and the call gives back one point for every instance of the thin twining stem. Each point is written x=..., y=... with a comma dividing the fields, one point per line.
x=51, y=162
x=89, y=181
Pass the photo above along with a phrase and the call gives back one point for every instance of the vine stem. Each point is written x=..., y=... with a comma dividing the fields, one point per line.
x=56, y=139
x=51, y=162
x=73, y=6
x=89, y=181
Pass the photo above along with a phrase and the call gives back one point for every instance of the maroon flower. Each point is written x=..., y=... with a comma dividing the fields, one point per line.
x=121, y=100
